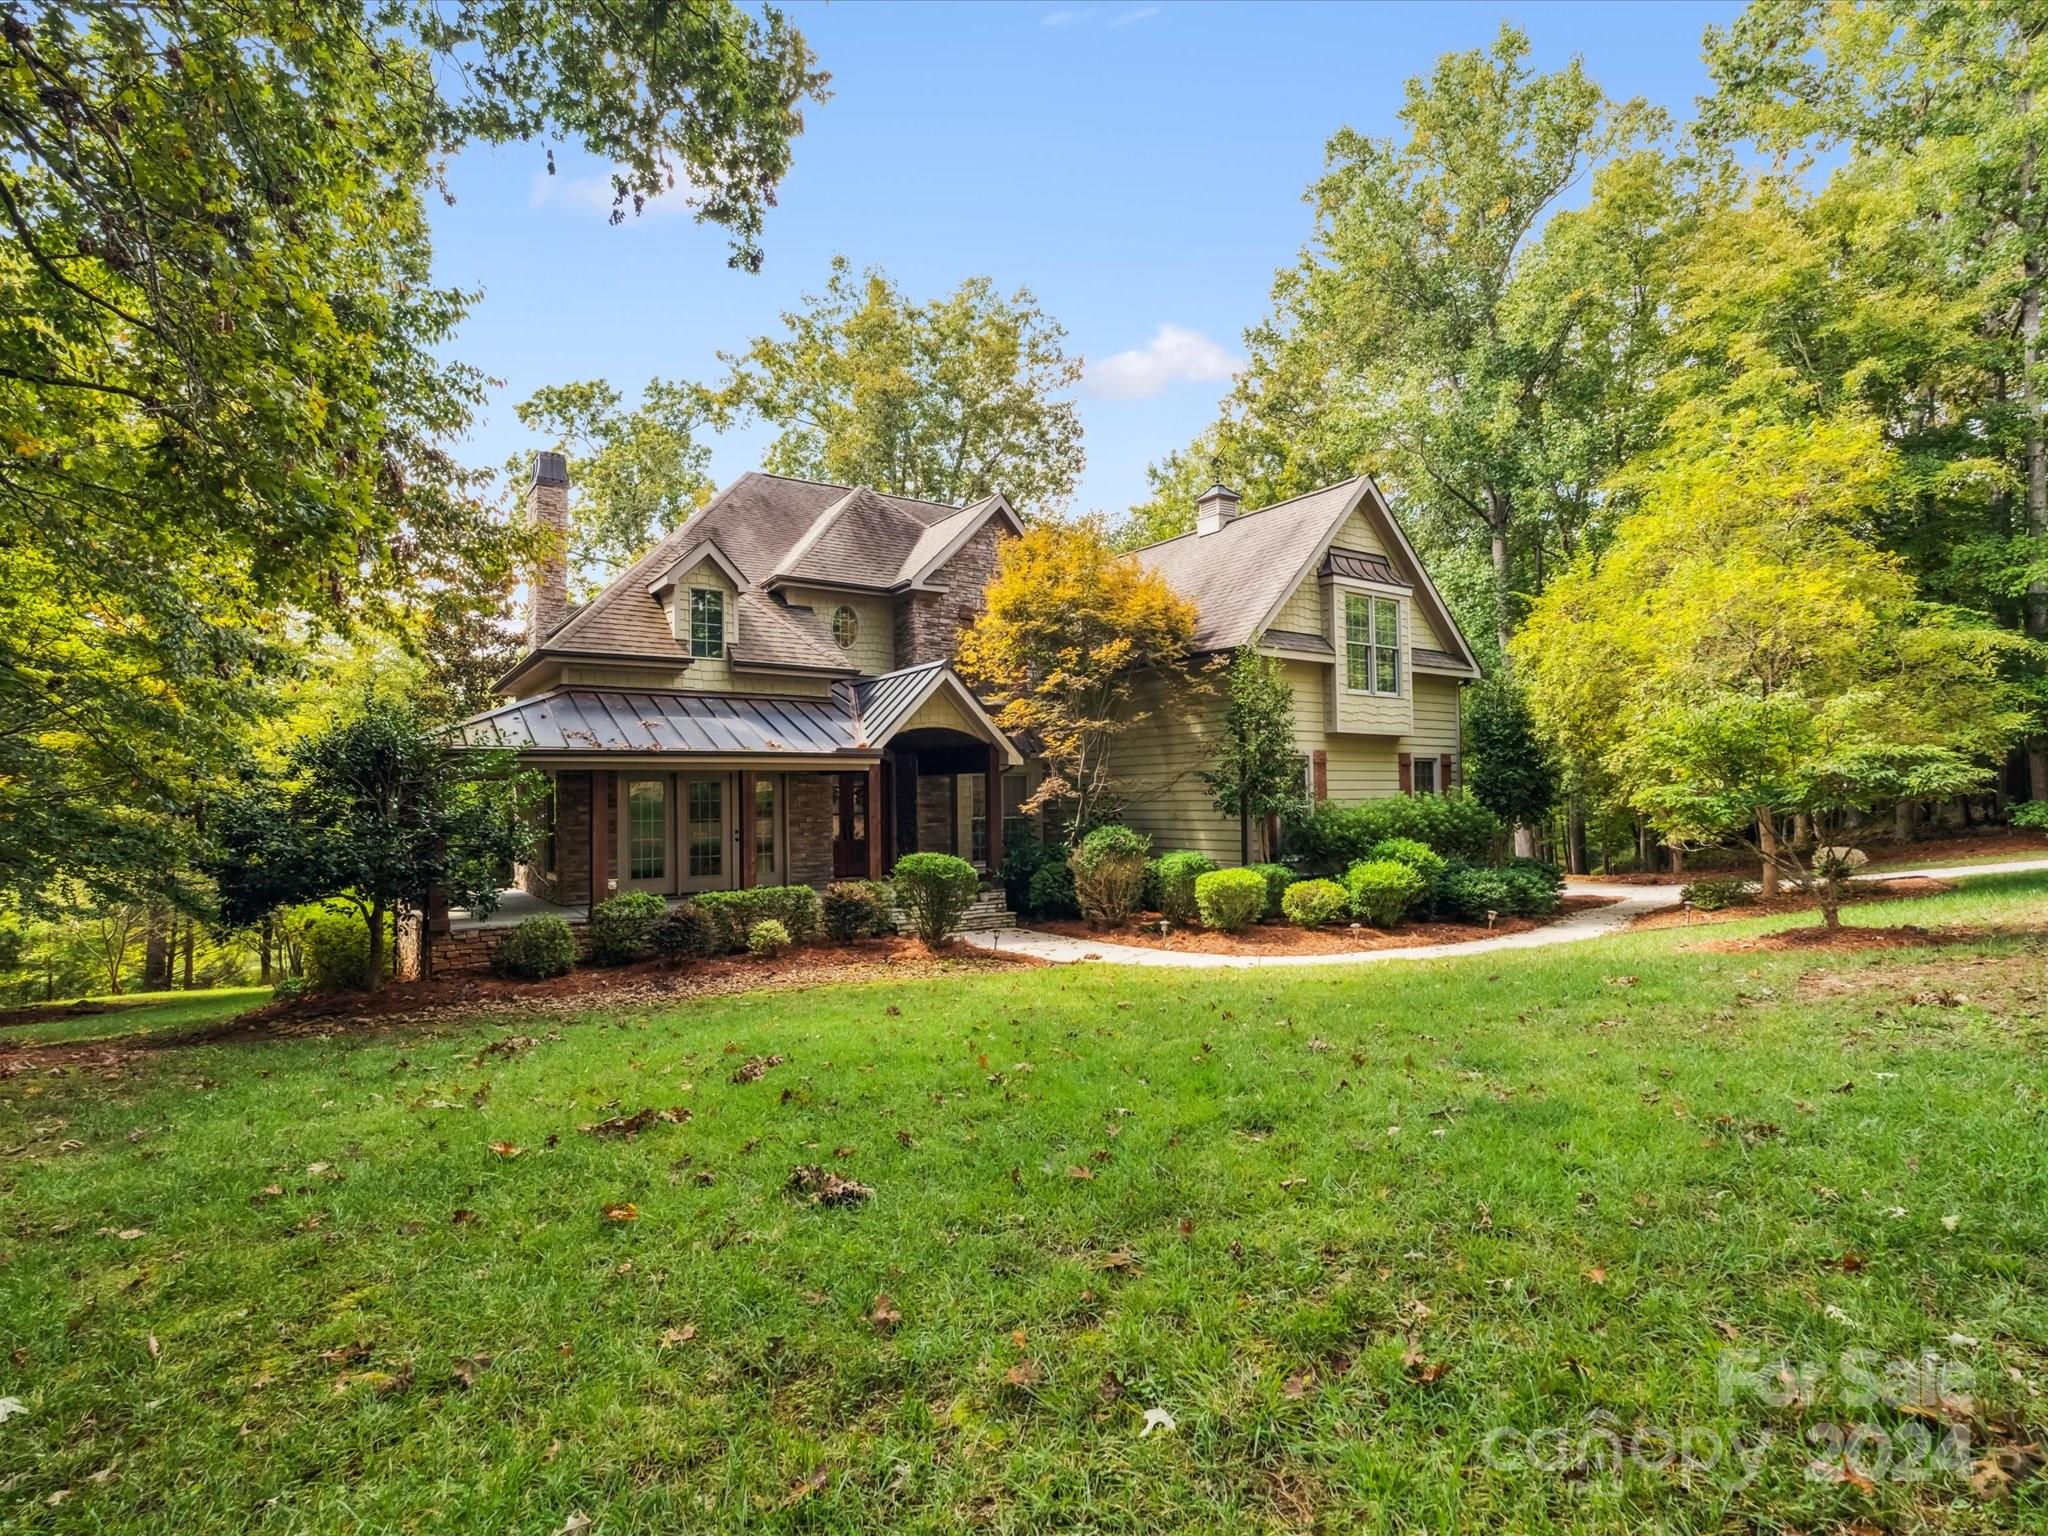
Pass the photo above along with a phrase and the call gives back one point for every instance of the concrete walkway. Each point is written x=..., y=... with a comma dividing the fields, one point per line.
x=1632, y=902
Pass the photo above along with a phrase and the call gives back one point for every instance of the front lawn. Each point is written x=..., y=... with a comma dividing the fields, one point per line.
x=1368, y=1236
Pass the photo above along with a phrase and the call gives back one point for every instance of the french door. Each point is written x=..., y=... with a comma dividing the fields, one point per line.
x=646, y=834
x=850, y=828
x=707, y=843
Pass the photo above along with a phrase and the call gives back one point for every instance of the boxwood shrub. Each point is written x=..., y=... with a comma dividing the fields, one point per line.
x=1230, y=899
x=1330, y=837
x=767, y=939
x=1311, y=903
x=1052, y=892
x=688, y=932
x=1277, y=877
x=1178, y=872
x=794, y=906
x=1109, y=873
x=935, y=889
x=539, y=947
x=337, y=953
x=1381, y=890
x=857, y=909
x=622, y=927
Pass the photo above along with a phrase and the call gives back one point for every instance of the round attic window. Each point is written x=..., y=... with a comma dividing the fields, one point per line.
x=845, y=627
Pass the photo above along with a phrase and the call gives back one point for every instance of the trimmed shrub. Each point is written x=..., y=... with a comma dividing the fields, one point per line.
x=856, y=909
x=767, y=939
x=1277, y=877
x=1425, y=861
x=688, y=932
x=1178, y=872
x=1544, y=877
x=337, y=953
x=1052, y=893
x=1381, y=890
x=1469, y=894
x=935, y=888
x=1230, y=899
x=1329, y=837
x=538, y=948
x=622, y=927
x=794, y=906
x=1311, y=903
x=1109, y=873
x=1715, y=895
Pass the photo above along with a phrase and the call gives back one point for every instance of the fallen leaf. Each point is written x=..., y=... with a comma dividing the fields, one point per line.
x=129, y=1234
x=753, y=1069
x=827, y=1188
x=1597, y=1275
x=682, y=1335
x=316, y=1169
x=632, y=1125
x=623, y=1210
x=1424, y=1370
x=1025, y=1373
x=1157, y=1418
x=505, y=1149
x=463, y=1217
x=10, y=1406
x=156, y=1350
x=1077, y=1171
x=575, y=1525
x=1849, y=1263
x=1297, y=1385
x=806, y=1488
x=884, y=1314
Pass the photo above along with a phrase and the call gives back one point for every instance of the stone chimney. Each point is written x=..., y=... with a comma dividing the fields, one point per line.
x=547, y=508
x=1215, y=507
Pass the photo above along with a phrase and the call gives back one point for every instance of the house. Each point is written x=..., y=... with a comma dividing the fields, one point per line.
x=1328, y=585
x=767, y=696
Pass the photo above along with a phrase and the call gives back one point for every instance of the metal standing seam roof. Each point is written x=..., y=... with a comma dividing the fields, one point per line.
x=881, y=704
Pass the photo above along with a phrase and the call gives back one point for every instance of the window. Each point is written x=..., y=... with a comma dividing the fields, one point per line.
x=707, y=622
x=845, y=627
x=706, y=827
x=550, y=813
x=646, y=829
x=1424, y=771
x=764, y=823
x=977, y=818
x=1372, y=644
x=1015, y=822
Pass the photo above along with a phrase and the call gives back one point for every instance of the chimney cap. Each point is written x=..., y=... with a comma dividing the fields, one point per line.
x=1219, y=489
x=550, y=468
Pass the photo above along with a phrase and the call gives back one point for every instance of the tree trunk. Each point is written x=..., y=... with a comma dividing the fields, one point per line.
x=1575, y=836
x=373, y=977
x=189, y=926
x=1902, y=821
x=1677, y=859
x=1831, y=903
x=1646, y=848
x=1499, y=511
x=156, y=954
x=1244, y=837
x=263, y=948
x=2036, y=442
x=1767, y=842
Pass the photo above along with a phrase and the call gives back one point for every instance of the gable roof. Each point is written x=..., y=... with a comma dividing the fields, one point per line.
x=767, y=532
x=1239, y=576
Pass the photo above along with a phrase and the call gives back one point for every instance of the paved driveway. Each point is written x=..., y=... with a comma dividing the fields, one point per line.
x=1597, y=922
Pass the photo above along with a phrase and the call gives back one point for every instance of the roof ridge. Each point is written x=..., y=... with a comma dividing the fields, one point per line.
x=1255, y=512
x=834, y=485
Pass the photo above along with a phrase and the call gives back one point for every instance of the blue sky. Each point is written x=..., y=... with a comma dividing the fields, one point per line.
x=1137, y=164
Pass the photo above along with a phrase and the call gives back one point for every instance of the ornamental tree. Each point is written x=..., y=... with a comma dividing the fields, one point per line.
x=1742, y=654
x=1257, y=770
x=1075, y=649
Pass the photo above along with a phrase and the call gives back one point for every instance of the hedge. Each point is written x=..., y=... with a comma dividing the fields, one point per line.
x=1230, y=899
x=1178, y=872
x=1332, y=837
x=794, y=906
x=622, y=927
x=539, y=947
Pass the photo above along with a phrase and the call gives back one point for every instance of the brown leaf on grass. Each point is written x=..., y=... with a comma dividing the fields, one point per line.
x=506, y=1149
x=623, y=1210
x=462, y=1218
x=905, y=1139
x=379, y=1382
x=1078, y=1171
x=1423, y=1369
x=1727, y=1331
x=682, y=1335
x=1597, y=1275
x=803, y=1490
x=1120, y=1261
x=1850, y=1263
x=467, y=1371
x=1025, y=1373
x=1017, y=1337
x=884, y=1314
x=577, y=1523
x=266, y=1194
x=842, y=1152
x=156, y=1350
x=754, y=1068
x=632, y=1125
x=1297, y=1385
x=826, y=1187
x=1839, y=1472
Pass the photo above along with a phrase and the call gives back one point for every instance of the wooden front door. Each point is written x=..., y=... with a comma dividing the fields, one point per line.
x=850, y=827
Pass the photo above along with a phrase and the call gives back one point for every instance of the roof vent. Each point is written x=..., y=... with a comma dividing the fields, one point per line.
x=1215, y=507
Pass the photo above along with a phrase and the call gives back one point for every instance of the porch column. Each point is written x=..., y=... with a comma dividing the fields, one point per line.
x=745, y=823
x=874, y=828
x=602, y=832
x=994, y=801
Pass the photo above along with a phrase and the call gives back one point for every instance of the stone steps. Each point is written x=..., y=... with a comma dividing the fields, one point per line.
x=990, y=911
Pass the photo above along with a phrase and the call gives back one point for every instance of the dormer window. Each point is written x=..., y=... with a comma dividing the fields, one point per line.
x=845, y=627
x=707, y=622
x=1372, y=644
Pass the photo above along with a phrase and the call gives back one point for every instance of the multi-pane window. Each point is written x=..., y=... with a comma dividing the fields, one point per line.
x=977, y=818
x=845, y=627
x=705, y=827
x=764, y=823
x=707, y=622
x=646, y=829
x=1014, y=820
x=1372, y=644
x=1424, y=771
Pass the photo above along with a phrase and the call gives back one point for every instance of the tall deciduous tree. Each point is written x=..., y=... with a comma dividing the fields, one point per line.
x=639, y=472
x=949, y=399
x=224, y=386
x=1506, y=763
x=1453, y=330
x=1257, y=769
x=1743, y=653
x=1072, y=636
x=1944, y=112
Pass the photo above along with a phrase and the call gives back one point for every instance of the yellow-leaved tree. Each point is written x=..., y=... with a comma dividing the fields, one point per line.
x=1076, y=648
x=1742, y=654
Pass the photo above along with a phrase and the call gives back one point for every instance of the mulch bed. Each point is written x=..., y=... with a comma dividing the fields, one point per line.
x=1884, y=854
x=466, y=999
x=1286, y=939
x=44, y=1013
x=1905, y=936
x=1854, y=895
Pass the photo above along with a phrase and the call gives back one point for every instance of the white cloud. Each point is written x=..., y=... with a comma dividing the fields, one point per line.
x=1142, y=13
x=1066, y=18
x=1074, y=16
x=1175, y=355
x=594, y=193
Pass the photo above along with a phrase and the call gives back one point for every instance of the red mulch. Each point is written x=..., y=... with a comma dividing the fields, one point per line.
x=651, y=983
x=1286, y=939
x=1855, y=895
x=43, y=1013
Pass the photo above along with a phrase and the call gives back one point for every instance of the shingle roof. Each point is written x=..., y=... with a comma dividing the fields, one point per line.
x=775, y=530
x=1295, y=640
x=1238, y=574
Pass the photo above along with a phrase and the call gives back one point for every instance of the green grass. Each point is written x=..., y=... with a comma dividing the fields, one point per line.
x=1643, y=1148
x=140, y=1014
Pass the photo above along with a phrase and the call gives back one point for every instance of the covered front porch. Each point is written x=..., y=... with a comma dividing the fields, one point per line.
x=678, y=793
